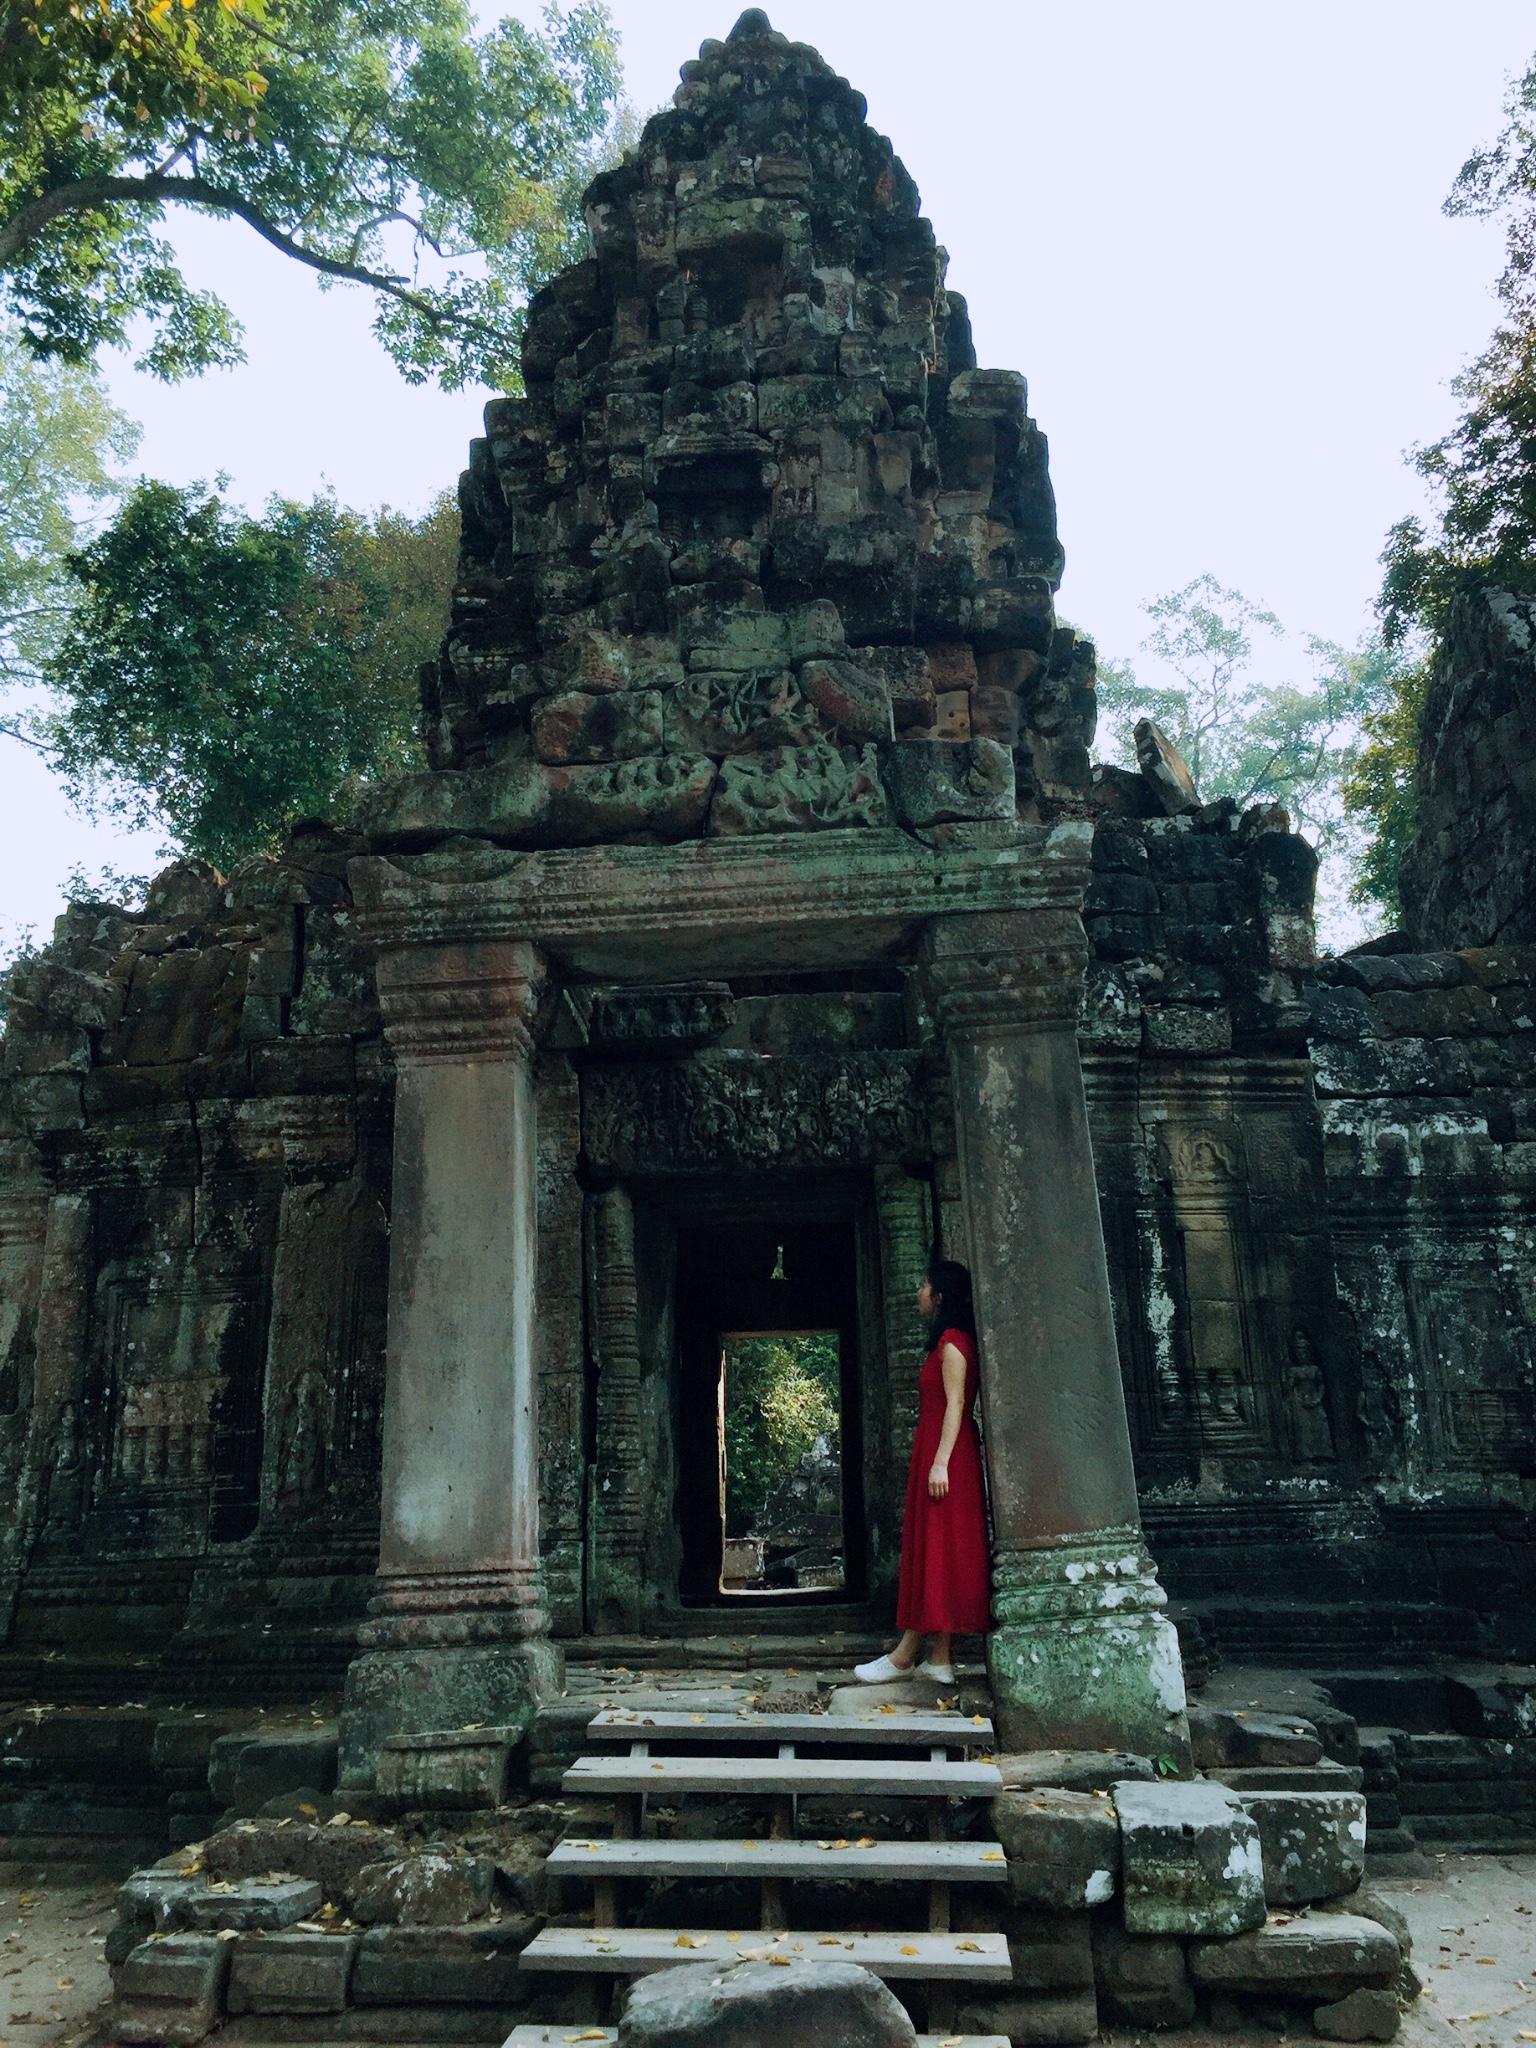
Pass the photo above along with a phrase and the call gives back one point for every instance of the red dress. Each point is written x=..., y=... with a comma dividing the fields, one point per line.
x=945, y=1561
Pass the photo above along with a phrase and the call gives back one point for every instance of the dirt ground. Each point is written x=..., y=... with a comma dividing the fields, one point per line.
x=1473, y=1924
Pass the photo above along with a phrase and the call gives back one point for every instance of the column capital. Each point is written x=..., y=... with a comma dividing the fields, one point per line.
x=463, y=1000
x=994, y=972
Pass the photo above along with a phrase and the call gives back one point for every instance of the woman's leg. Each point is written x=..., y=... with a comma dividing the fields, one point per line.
x=905, y=1653
x=939, y=1651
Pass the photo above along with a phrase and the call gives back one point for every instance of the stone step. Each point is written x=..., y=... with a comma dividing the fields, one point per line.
x=901, y=1778
x=877, y=1862
x=636, y=1951
x=896, y=1729
x=1323, y=1776
x=558, y=2034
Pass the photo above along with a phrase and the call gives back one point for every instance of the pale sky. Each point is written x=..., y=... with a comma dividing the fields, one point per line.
x=1209, y=234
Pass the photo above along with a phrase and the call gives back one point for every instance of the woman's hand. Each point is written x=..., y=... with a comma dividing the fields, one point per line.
x=938, y=1481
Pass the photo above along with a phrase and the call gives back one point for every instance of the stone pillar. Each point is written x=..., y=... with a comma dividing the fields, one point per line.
x=458, y=1631
x=1081, y=1656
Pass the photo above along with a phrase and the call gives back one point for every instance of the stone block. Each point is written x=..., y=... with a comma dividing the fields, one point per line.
x=1223, y=1735
x=169, y=1992
x=1373, y=1905
x=1063, y=1848
x=1186, y=1031
x=276, y=1899
x=1164, y=769
x=150, y=1902
x=951, y=722
x=798, y=789
x=334, y=1855
x=1049, y=1951
x=811, y=2006
x=731, y=714
x=995, y=716
x=423, y=1891
x=1313, y=1843
x=1141, y=1979
x=442, y=1965
x=1326, y=1956
x=246, y=1770
x=1073, y=1770
x=1191, y=1861
x=1041, y=2019
x=292, y=1972
x=850, y=697
x=456, y=1769
x=1364, y=2015
x=931, y=783
x=578, y=727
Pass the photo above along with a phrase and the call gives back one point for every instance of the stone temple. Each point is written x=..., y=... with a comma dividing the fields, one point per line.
x=373, y=1217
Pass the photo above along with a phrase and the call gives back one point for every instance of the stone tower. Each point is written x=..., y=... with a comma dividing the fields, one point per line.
x=754, y=673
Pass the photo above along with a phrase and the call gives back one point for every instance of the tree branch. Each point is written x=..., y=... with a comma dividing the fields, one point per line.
x=82, y=195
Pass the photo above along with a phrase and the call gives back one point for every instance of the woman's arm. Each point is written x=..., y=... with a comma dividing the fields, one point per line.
x=952, y=1365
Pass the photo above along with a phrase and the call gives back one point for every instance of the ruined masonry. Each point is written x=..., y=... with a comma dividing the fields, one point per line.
x=371, y=1216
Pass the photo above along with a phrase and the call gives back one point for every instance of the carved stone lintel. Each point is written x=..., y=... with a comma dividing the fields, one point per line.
x=738, y=1112
x=460, y=1002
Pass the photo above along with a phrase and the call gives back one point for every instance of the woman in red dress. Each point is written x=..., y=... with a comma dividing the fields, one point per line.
x=945, y=1557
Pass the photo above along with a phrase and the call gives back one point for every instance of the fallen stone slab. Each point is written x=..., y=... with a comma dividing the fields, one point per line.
x=333, y=1853
x=1040, y=2019
x=1063, y=1848
x=1373, y=1905
x=442, y=1965
x=1325, y=1956
x=169, y=1992
x=456, y=1769
x=1323, y=1776
x=1141, y=1979
x=919, y=1695
x=699, y=2006
x=246, y=1769
x=1072, y=1770
x=1364, y=2015
x=1190, y=1859
x=1232, y=1735
x=270, y=1902
x=1313, y=1843
x=291, y=1972
x=423, y=1891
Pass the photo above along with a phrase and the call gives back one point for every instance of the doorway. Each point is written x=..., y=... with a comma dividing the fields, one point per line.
x=770, y=1480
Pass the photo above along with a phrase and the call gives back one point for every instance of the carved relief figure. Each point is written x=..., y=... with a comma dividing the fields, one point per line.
x=1306, y=1399
x=301, y=1447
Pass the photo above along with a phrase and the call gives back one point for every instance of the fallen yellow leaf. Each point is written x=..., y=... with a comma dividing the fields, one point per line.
x=592, y=2034
x=908, y=1950
x=865, y=1842
x=781, y=1962
x=969, y=1947
x=993, y=1856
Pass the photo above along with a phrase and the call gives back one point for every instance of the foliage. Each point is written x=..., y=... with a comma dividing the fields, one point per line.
x=377, y=141
x=60, y=439
x=1379, y=786
x=222, y=673
x=1283, y=742
x=781, y=1393
x=1483, y=472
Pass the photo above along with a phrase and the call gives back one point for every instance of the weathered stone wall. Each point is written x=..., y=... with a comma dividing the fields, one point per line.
x=1469, y=877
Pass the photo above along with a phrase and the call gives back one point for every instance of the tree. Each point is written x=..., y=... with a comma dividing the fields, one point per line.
x=1288, y=743
x=1483, y=471
x=60, y=442
x=1380, y=789
x=781, y=1394
x=221, y=674
x=378, y=142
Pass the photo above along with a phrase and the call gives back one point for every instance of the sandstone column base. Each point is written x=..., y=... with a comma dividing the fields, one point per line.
x=1081, y=1657
x=443, y=1652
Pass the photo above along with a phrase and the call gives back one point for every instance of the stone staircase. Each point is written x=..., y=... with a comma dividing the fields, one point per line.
x=783, y=1757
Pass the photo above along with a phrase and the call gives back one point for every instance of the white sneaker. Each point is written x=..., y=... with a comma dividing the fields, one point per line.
x=940, y=1674
x=881, y=1672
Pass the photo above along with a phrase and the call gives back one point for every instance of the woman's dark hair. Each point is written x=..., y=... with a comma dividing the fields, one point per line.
x=951, y=1282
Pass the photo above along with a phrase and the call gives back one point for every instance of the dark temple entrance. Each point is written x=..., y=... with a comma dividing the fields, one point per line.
x=767, y=1316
